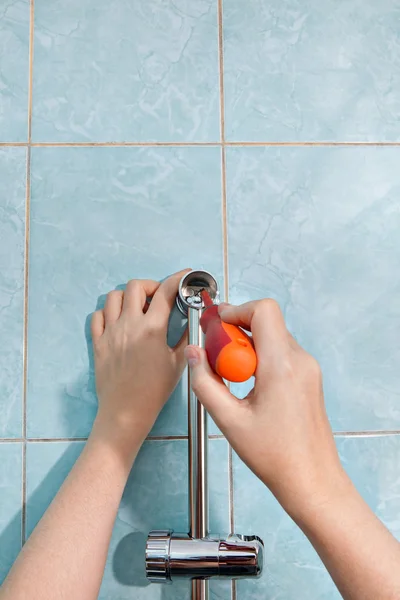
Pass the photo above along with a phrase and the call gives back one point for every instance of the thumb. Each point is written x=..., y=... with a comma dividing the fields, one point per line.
x=210, y=389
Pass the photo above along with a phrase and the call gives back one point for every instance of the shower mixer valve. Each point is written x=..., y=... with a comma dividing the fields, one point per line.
x=200, y=555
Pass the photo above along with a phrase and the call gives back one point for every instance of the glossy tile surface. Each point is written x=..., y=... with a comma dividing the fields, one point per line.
x=317, y=229
x=100, y=217
x=12, y=244
x=137, y=71
x=155, y=497
x=10, y=504
x=14, y=58
x=291, y=564
x=310, y=70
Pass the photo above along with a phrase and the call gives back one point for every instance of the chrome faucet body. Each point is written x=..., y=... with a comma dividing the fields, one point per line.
x=199, y=555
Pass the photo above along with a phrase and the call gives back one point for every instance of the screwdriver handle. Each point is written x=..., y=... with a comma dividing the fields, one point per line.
x=230, y=350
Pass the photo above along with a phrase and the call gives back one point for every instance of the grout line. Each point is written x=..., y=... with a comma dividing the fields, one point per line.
x=371, y=433
x=231, y=497
x=13, y=144
x=150, y=438
x=51, y=440
x=23, y=488
x=26, y=275
x=25, y=343
x=221, y=71
x=162, y=438
x=225, y=238
x=327, y=143
x=231, y=513
x=225, y=143
x=121, y=144
x=155, y=438
x=26, y=285
x=224, y=210
x=212, y=436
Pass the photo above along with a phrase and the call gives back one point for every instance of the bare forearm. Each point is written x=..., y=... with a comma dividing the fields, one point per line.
x=362, y=557
x=66, y=554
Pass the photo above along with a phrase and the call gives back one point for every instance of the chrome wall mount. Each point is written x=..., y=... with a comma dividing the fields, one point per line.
x=199, y=555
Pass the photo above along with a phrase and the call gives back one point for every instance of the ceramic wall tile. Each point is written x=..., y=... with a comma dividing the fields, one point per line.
x=155, y=498
x=10, y=504
x=12, y=244
x=131, y=71
x=291, y=564
x=311, y=70
x=100, y=217
x=317, y=229
x=14, y=70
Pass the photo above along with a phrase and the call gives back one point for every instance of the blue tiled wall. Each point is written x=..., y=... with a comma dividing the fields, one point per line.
x=121, y=144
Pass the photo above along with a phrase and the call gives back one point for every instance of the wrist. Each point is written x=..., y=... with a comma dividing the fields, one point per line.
x=327, y=495
x=121, y=439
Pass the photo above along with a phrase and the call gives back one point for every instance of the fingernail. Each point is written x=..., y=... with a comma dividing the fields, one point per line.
x=192, y=355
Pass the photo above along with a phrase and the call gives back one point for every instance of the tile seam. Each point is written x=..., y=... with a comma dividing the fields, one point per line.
x=225, y=237
x=122, y=144
x=211, y=436
x=26, y=284
x=231, y=490
x=367, y=433
x=23, y=493
x=224, y=215
x=25, y=342
x=154, y=438
x=309, y=143
x=162, y=438
x=228, y=144
x=26, y=273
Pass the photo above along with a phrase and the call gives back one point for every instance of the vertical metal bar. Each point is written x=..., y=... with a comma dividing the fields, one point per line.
x=199, y=589
x=198, y=490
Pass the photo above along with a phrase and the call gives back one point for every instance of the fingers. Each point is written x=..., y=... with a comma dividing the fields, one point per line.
x=97, y=325
x=210, y=389
x=164, y=298
x=136, y=293
x=113, y=306
x=265, y=320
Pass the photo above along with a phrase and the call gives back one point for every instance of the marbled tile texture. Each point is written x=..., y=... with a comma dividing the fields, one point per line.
x=310, y=70
x=291, y=563
x=318, y=229
x=98, y=218
x=132, y=71
x=14, y=58
x=12, y=240
x=155, y=498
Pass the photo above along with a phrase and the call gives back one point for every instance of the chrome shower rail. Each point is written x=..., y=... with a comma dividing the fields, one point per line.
x=198, y=455
x=199, y=555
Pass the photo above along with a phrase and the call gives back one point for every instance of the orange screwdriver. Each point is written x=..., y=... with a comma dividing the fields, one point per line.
x=230, y=351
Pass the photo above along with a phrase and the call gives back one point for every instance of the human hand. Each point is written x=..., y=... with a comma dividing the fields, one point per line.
x=280, y=430
x=136, y=371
